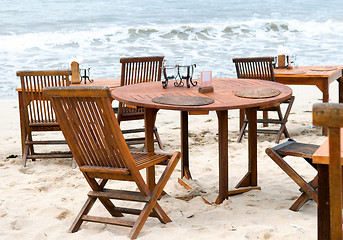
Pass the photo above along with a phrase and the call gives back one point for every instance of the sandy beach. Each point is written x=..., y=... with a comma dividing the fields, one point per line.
x=42, y=200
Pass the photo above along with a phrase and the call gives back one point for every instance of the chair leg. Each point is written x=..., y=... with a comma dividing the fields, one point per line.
x=106, y=202
x=157, y=136
x=304, y=198
x=282, y=127
x=265, y=116
x=26, y=152
x=31, y=147
x=152, y=204
x=241, y=133
x=243, y=125
x=90, y=202
x=308, y=188
x=241, y=117
x=284, y=120
x=84, y=211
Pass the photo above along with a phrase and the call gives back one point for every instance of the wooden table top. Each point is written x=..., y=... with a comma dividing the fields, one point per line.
x=321, y=156
x=309, y=71
x=223, y=95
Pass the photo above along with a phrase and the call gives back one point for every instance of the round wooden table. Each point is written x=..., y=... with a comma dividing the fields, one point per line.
x=142, y=95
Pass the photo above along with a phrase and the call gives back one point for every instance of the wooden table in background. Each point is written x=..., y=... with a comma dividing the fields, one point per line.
x=142, y=94
x=111, y=83
x=320, y=76
x=321, y=157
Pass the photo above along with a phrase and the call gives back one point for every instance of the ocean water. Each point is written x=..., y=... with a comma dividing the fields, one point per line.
x=49, y=34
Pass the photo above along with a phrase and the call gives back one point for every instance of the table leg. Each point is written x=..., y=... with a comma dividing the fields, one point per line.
x=149, y=120
x=325, y=100
x=223, y=156
x=250, y=179
x=185, y=172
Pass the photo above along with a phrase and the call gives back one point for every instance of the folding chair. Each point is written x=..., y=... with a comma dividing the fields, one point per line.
x=138, y=70
x=295, y=149
x=262, y=68
x=93, y=134
x=36, y=112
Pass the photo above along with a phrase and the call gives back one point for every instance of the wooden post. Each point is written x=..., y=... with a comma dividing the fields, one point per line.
x=281, y=59
x=149, y=119
x=184, y=146
x=75, y=72
x=335, y=184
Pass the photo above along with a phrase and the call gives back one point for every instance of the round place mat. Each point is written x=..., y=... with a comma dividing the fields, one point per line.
x=261, y=92
x=183, y=100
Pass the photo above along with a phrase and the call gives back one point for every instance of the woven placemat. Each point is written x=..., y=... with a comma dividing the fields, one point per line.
x=324, y=68
x=183, y=100
x=291, y=72
x=261, y=92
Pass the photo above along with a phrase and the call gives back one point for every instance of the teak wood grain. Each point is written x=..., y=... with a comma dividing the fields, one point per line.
x=224, y=99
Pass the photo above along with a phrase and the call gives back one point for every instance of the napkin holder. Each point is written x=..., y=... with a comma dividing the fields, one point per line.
x=206, y=82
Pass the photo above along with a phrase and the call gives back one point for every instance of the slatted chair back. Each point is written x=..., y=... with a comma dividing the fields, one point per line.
x=331, y=115
x=255, y=68
x=38, y=110
x=90, y=127
x=138, y=70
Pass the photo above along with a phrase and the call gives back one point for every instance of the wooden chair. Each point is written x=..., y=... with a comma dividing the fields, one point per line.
x=295, y=149
x=331, y=115
x=262, y=68
x=36, y=112
x=99, y=148
x=138, y=70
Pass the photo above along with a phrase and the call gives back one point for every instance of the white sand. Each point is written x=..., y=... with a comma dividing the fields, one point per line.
x=42, y=200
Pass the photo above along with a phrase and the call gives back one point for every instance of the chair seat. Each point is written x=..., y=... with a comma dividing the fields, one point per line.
x=144, y=160
x=295, y=149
